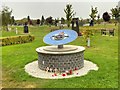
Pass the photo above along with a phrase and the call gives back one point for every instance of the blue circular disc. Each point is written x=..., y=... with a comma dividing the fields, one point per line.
x=60, y=37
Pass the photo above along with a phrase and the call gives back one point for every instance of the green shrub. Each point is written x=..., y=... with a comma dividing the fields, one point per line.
x=16, y=40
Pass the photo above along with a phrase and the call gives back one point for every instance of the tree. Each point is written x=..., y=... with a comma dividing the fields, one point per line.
x=38, y=22
x=6, y=16
x=116, y=12
x=69, y=13
x=87, y=33
x=55, y=22
x=22, y=21
x=62, y=20
x=28, y=18
x=12, y=20
x=93, y=13
x=106, y=17
x=49, y=21
x=98, y=18
x=42, y=20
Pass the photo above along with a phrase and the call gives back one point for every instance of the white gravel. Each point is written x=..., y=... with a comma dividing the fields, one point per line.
x=33, y=70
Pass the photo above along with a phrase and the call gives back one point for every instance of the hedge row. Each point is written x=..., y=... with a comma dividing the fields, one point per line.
x=16, y=40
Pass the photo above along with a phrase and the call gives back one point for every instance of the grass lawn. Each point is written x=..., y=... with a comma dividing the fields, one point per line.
x=103, y=52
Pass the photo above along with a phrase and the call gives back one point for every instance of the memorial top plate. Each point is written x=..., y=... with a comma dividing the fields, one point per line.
x=60, y=37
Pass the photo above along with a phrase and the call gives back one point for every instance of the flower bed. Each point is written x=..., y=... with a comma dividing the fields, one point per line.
x=16, y=40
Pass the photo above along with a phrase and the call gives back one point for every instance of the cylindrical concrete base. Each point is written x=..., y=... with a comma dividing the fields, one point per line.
x=70, y=58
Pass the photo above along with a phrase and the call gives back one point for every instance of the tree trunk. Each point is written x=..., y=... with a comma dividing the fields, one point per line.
x=7, y=28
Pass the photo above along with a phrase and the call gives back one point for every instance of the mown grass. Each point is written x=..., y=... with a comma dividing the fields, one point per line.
x=103, y=52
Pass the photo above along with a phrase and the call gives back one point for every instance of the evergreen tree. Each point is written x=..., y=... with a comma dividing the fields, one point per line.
x=28, y=18
x=42, y=20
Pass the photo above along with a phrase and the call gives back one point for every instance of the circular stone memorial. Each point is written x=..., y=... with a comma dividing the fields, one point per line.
x=60, y=57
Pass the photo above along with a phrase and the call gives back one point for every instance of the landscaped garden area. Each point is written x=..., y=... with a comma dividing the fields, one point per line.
x=103, y=51
x=58, y=46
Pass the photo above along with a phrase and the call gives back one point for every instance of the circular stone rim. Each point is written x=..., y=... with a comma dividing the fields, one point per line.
x=79, y=49
x=65, y=48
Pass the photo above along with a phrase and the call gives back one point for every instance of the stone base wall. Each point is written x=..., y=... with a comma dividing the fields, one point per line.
x=61, y=62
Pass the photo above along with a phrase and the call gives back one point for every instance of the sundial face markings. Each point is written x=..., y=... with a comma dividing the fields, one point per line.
x=60, y=37
x=54, y=37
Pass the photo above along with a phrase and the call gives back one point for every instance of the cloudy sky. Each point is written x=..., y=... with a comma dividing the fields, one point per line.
x=35, y=9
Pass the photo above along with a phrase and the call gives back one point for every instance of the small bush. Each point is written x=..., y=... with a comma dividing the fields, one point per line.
x=16, y=40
